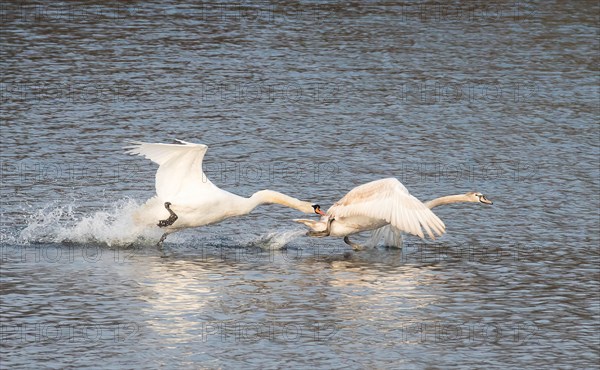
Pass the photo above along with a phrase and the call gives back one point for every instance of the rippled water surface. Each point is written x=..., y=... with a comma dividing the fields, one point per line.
x=310, y=99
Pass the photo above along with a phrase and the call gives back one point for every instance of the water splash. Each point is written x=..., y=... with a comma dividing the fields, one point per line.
x=277, y=239
x=113, y=225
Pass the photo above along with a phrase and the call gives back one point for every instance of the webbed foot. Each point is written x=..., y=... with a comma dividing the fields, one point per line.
x=320, y=234
x=169, y=221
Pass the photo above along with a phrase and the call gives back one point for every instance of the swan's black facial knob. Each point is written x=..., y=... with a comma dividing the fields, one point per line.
x=317, y=209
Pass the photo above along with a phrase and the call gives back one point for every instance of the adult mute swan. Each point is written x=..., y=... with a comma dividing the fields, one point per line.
x=386, y=207
x=186, y=198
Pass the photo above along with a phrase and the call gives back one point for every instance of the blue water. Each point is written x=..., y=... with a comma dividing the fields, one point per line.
x=309, y=99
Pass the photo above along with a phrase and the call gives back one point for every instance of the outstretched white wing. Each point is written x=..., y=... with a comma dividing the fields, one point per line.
x=389, y=200
x=179, y=174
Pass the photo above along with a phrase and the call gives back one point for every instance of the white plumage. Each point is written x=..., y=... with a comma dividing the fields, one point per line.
x=195, y=200
x=385, y=206
x=387, y=201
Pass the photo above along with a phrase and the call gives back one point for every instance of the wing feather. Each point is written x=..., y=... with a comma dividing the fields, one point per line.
x=179, y=174
x=389, y=200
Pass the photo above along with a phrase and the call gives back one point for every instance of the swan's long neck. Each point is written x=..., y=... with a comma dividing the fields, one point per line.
x=273, y=197
x=449, y=199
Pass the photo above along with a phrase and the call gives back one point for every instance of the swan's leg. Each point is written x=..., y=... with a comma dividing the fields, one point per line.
x=159, y=245
x=172, y=218
x=356, y=247
x=319, y=234
x=162, y=239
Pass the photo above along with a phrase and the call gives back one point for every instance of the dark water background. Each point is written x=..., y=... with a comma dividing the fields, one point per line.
x=310, y=99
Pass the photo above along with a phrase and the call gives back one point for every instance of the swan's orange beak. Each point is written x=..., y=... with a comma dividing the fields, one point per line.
x=317, y=209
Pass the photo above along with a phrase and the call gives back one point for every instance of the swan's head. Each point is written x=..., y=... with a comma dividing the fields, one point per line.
x=317, y=209
x=476, y=197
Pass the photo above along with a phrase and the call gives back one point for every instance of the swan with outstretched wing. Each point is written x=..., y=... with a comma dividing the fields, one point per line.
x=386, y=208
x=186, y=198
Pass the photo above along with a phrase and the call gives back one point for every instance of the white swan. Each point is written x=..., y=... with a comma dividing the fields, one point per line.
x=386, y=207
x=186, y=198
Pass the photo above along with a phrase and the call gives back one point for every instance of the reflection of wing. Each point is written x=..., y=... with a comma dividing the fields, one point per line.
x=389, y=200
x=180, y=168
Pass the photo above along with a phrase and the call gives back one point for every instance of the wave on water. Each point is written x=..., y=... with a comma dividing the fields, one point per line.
x=113, y=226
